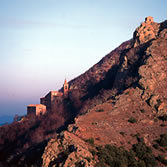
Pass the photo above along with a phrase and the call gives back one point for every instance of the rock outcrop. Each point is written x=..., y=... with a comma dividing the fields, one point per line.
x=67, y=151
x=147, y=31
x=153, y=74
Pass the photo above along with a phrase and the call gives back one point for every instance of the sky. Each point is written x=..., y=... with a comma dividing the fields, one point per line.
x=42, y=42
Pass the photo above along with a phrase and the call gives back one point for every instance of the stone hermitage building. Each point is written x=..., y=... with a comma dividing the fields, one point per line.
x=47, y=101
x=36, y=109
x=149, y=19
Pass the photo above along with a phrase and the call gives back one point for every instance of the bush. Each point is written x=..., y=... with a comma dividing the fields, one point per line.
x=132, y=120
x=163, y=140
x=162, y=150
x=163, y=117
x=88, y=159
x=118, y=157
x=141, y=163
x=100, y=164
x=156, y=146
x=150, y=160
x=122, y=133
x=142, y=111
x=93, y=152
x=144, y=153
x=115, y=156
x=100, y=110
x=140, y=148
x=158, y=104
x=90, y=141
x=162, y=159
x=162, y=125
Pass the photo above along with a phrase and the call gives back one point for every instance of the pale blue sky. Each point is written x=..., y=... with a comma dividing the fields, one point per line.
x=44, y=41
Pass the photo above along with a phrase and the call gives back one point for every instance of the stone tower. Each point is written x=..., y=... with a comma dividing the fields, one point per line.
x=66, y=87
x=149, y=19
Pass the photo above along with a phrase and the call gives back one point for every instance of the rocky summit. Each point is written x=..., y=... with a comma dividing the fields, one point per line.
x=115, y=113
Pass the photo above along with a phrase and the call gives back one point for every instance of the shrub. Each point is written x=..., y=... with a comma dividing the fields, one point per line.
x=141, y=149
x=141, y=163
x=122, y=133
x=100, y=164
x=156, y=146
x=115, y=156
x=142, y=111
x=132, y=120
x=118, y=157
x=163, y=117
x=93, y=152
x=150, y=160
x=137, y=135
x=144, y=153
x=90, y=141
x=94, y=123
x=163, y=140
x=88, y=159
x=162, y=125
x=100, y=110
x=162, y=159
x=162, y=150
x=158, y=104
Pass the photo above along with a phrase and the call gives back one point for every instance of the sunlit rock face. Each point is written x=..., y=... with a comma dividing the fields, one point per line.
x=146, y=31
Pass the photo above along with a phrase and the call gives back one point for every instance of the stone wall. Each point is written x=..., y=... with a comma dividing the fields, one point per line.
x=36, y=109
x=49, y=99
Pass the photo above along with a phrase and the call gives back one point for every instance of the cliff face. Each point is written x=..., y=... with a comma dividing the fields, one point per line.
x=66, y=151
x=153, y=73
x=131, y=84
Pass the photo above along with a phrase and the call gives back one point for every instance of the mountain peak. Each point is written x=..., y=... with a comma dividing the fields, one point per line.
x=147, y=31
x=149, y=19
